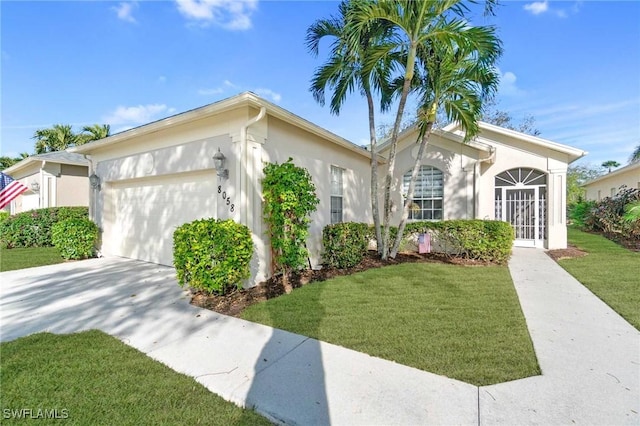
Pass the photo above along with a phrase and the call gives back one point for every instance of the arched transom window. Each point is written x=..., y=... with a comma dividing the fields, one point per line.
x=428, y=195
x=521, y=177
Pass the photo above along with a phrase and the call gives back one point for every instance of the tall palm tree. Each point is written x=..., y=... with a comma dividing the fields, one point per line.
x=454, y=77
x=635, y=155
x=414, y=24
x=345, y=71
x=93, y=133
x=611, y=164
x=56, y=138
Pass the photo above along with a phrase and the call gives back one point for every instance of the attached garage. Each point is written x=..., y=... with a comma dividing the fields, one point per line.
x=143, y=213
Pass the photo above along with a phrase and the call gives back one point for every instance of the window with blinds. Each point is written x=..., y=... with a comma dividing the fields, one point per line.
x=337, y=192
x=428, y=195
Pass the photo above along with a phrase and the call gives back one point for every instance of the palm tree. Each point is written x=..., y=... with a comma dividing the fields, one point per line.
x=635, y=155
x=94, y=133
x=414, y=24
x=345, y=71
x=454, y=77
x=57, y=138
x=610, y=165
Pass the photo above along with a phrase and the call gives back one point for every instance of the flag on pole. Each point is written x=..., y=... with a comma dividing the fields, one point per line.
x=9, y=189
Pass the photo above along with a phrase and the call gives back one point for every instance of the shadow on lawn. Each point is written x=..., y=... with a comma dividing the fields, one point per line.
x=292, y=384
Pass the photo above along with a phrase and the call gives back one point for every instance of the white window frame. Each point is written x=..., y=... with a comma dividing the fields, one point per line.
x=425, y=183
x=337, y=195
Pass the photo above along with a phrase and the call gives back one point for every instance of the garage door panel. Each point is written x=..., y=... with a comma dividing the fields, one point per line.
x=148, y=211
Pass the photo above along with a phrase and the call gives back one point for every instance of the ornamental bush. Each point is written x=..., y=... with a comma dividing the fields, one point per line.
x=33, y=228
x=484, y=240
x=212, y=255
x=289, y=198
x=75, y=238
x=610, y=215
x=345, y=244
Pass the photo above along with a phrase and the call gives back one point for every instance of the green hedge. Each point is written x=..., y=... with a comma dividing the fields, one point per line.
x=33, y=228
x=75, y=238
x=485, y=240
x=345, y=244
x=212, y=255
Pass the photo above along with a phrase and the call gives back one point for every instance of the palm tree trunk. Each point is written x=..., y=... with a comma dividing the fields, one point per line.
x=392, y=153
x=375, y=205
x=412, y=185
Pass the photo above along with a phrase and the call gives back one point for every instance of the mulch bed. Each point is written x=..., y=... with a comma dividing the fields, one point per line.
x=569, y=253
x=234, y=303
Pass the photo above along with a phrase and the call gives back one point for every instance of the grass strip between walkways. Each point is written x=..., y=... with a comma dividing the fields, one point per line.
x=458, y=321
x=20, y=258
x=610, y=271
x=91, y=378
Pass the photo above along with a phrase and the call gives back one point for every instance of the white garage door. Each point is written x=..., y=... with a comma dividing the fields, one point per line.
x=145, y=212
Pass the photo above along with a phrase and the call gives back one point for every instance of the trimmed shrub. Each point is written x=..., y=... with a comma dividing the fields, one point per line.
x=484, y=240
x=4, y=215
x=212, y=255
x=75, y=238
x=345, y=244
x=33, y=228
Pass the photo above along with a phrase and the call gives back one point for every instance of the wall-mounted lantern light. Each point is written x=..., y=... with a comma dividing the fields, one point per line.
x=218, y=162
x=35, y=186
x=94, y=180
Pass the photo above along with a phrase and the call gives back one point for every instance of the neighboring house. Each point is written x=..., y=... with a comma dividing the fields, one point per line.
x=151, y=179
x=54, y=179
x=609, y=184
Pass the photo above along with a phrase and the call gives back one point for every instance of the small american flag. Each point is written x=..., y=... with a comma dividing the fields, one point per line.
x=9, y=189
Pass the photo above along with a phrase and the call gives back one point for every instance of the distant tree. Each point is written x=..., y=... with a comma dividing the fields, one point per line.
x=611, y=164
x=6, y=162
x=635, y=155
x=502, y=118
x=95, y=132
x=61, y=136
x=578, y=175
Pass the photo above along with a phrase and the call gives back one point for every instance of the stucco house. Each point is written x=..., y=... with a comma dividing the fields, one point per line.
x=151, y=179
x=54, y=179
x=609, y=184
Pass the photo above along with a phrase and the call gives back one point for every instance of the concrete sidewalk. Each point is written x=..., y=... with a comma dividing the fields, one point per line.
x=588, y=354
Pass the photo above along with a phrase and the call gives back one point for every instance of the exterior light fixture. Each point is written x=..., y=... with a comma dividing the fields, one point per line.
x=218, y=162
x=35, y=186
x=94, y=180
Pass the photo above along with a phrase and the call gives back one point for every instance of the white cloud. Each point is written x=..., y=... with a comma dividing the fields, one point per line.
x=508, y=86
x=275, y=97
x=537, y=7
x=125, y=11
x=140, y=114
x=229, y=14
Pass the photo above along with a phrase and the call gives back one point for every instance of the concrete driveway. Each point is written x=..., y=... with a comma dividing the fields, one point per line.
x=589, y=356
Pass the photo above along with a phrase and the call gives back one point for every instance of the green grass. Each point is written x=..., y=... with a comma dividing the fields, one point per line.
x=99, y=380
x=20, y=258
x=610, y=271
x=461, y=322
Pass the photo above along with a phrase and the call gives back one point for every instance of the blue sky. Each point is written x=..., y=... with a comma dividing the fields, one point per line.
x=573, y=65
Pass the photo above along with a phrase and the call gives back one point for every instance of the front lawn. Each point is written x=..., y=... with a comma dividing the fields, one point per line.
x=20, y=258
x=462, y=322
x=91, y=378
x=610, y=271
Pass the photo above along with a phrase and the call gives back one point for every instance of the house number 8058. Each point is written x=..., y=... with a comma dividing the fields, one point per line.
x=226, y=199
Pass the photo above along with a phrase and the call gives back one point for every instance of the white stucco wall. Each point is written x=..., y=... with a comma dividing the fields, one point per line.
x=317, y=155
x=609, y=184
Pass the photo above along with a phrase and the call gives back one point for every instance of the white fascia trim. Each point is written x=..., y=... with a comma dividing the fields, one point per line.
x=621, y=170
x=243, y=99
x=27, y=161
x=574, y=153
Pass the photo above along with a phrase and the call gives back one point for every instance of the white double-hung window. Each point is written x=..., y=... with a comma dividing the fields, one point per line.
x=337, y=191
x=427, y=200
